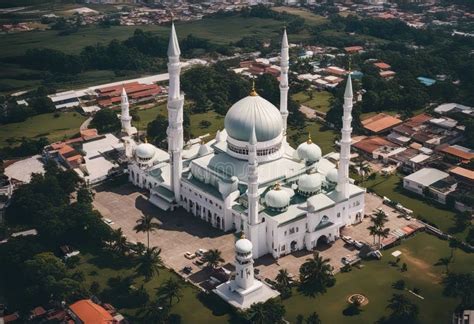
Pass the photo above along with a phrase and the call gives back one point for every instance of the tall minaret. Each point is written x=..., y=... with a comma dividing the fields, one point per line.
x=284, y=64
x=244, y=273
x=125, y=117
x=343, y=172
x=252, y=193
x=175, y=114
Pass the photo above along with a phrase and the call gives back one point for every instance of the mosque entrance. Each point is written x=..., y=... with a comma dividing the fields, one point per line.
x=322, y=243
x=293, y=246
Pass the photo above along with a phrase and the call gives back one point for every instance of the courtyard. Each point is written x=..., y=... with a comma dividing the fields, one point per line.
x=179, y=233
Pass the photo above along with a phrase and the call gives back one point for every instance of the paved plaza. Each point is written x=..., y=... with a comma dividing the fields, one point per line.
x=181, y=232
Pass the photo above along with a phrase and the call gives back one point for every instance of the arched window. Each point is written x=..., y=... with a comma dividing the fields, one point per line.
x=325, y=219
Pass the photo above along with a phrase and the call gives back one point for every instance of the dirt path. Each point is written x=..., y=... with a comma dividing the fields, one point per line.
x=420, y=265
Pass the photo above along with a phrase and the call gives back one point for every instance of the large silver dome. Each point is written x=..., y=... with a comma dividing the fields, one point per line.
x=249, y=111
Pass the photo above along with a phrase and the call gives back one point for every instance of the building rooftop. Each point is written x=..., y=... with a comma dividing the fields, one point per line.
x=427, y=176
x=23, y=169
x=463, y=172
x=91, y=313
x=460, y=152
x=380, y=122
x=371, y=144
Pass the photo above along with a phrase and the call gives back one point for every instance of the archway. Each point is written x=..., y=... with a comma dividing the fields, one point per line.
x=209, y=216
x=322, y=243
x=218, y=222
x=293, y=246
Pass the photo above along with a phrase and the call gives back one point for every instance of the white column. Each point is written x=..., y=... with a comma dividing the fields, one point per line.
x=252, y=195
x=175, y=114
x=244, y=273
x=343, y=172
x=284, y=64
x=125, y=117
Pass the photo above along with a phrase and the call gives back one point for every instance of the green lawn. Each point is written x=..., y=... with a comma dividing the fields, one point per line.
x=392, y=187
x=319, y=102
x=45, y=125
x=217, y=123
x=319, y=133
x=147, y=115
x=310, y=18
x=192, y=307
x=375, y=278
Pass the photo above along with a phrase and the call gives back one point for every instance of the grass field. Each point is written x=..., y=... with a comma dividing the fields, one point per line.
x=45, y=125
x=319, y=102
x=310, y=18
x=392, y=187
x=102, y=267
x=319, y=133
x=375, y=278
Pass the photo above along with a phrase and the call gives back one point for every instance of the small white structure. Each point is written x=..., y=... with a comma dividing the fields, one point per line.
x=125, y=118
x=244, y=290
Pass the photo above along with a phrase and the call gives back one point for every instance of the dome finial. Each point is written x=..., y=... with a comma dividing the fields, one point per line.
x=242, y=235
x=277, y=186
x=253, y=92
x=146, y=139
x=309, y=141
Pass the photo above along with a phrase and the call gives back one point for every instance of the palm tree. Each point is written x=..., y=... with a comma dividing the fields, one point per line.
x=271, y=311
x=283, y=282
x=453, y=244
x=119, y=242
x=313, y=319
x=363, y=169
x=379, y=219
x=383, y=232
x=149, y=263
x=212, y=258
x=146, y=225
x=403, y=310
x=316, y=275
x=373, y=230
x=169, y=290
x=444, y=262
x=154, y=313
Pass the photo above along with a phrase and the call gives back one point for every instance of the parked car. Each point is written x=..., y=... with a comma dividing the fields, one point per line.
x=189, y=255
x=347, y=239
x=198, y=262
x=358, y=245
x=187, y=270
x=201, y=252
x=107, y=221
x=345, y=260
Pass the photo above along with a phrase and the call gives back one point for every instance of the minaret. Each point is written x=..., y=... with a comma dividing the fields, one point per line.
x=343, y=172
x=284, y=64
x=175, y=114
x=252, y=191
x=125, y=117
x=244, y=273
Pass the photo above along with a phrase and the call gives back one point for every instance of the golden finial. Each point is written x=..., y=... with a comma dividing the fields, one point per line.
x=277, y=186
x=242, y=235
x=309, y=141
x=146, y=139
x=253, y=92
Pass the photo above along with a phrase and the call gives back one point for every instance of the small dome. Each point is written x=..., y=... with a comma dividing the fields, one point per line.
x=249, y=111
x=309, y=151
x=309, y=182
x=145, y=151
x=203, y=149
x=332, y=175
x=277, y=198
x=243, y=246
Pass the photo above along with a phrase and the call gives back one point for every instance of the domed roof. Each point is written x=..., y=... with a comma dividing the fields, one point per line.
x=309, y=151
x=145, y=151
x=243, y=245
x=309, y=182
x=332, y=175
x=277, y=198
x=249, y=111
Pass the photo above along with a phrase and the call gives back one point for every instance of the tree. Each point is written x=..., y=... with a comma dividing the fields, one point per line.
x=119, y=242
x=316, y=275
x=460, y=285
x=379, y=219
x=146, y=225
x=106, y=121
x=271, y=311
x=283, y=283
x=373, y=230
x=156, y=130
x=150, y=263
x=84, y=195
x=363, y=168
x=155, y=313
x=445, y=261
x=212, y=258
x=403, y=310
x=169, y=290
x=313, y=319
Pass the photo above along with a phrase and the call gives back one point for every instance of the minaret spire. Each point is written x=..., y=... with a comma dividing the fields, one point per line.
x=125, y=118
x=343, y=172
x=252, y=193
x=284, y=65
x=175, y=114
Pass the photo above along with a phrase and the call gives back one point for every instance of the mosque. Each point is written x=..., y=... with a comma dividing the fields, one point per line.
x=248, y=178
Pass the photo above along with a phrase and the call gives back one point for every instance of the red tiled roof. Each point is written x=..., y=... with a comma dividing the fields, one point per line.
x=380, y=122
x=463, y=172
x=91, y=313
x=382, y=65
x=370, y=144
x=465, y=156
x=418, y=120
x=352, y=49
x=386, y=74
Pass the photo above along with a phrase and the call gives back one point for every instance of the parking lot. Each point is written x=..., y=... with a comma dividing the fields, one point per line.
x=180, y=232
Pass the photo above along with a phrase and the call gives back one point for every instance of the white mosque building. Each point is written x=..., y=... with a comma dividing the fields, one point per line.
x=248, y=178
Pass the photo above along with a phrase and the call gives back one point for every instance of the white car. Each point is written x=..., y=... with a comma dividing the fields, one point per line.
x=347, y=239
x=108, y=221
x=189, y=255
x=358, y=245
x=201, y=252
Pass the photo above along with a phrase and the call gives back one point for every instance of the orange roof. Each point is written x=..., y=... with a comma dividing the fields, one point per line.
x=370, y=144
x=352, y=49
x=465, y=156
x=91, y=313
x=386, y=74
x=90, y=132
x=418, y=120
x=74, y=158
x=65, y=150
x=382, y=65
x=463, y=172
x=380, y=122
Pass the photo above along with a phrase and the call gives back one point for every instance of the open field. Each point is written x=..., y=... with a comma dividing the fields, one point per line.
x=392, y=187
x=375, y=278
x=319, y=133
x=45, y=125
x=310, y=18
x=319, y=102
